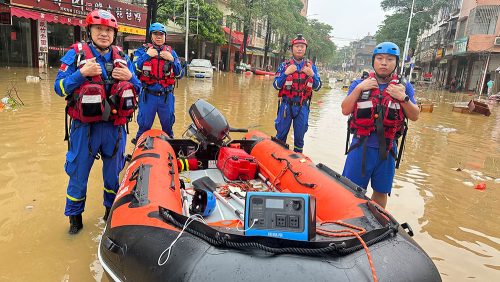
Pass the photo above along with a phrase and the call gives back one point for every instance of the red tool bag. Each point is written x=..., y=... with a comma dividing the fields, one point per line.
x=236, y=164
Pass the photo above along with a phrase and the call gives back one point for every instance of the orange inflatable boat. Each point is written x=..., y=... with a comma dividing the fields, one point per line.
x=208, y=208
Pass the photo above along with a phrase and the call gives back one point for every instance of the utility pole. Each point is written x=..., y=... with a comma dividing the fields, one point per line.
x=407, y=40
x=150, y=17
x=186, y=46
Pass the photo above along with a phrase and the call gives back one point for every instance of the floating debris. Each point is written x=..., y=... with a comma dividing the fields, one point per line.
x=443, y=129
x=479, y=107
x=9, y=101
x=33, y=79
x=480, y=186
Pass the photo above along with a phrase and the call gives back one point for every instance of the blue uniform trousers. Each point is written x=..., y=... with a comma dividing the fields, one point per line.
x=86, y=141
x=149, y=105
x=288, y=113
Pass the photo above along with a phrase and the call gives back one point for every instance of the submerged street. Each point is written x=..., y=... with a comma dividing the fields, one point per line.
x=446, y=155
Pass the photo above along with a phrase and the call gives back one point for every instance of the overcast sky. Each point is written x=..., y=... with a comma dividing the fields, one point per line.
x=351, y=19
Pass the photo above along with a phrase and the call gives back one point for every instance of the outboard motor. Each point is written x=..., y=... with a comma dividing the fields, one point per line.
x=209, y=125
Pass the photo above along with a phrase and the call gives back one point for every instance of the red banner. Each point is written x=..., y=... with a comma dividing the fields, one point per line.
x=126, y=14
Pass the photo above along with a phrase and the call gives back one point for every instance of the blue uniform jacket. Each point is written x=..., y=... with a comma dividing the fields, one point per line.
x=69, y=77
x=280, y=76
x=372, y=140
x=140, y=56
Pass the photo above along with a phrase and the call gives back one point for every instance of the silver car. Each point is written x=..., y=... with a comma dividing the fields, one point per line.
x=200, y=68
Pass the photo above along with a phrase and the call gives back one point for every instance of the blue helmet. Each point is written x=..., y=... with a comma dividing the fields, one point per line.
x=386, y=48
x=157, y=27
x=203, y=202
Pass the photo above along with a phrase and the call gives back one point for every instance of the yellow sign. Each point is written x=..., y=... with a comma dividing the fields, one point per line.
x=439, y=53
x=131, y=30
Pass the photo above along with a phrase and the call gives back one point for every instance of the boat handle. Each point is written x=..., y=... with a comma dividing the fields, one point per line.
x=407, y=228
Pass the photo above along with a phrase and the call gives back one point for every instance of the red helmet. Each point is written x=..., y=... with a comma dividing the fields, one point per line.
x=101, y=17
x=299, y=39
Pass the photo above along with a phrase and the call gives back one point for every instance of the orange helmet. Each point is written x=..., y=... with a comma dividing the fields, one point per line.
x=299, y=39
x=101, y=17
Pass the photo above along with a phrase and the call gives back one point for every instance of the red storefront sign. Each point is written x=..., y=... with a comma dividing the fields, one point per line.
x=43, y=16
x=126, y=14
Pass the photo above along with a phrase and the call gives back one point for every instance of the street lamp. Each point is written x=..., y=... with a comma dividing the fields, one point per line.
x=407, y=40
x=187, y=33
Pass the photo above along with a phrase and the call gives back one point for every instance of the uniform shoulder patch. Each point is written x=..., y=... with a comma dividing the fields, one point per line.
x=63, y=67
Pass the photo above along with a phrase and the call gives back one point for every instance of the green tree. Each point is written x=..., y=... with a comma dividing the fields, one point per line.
x=209, y=18
x=282, y=16
x=395, y=25
x=247, y=11
x=318, y=39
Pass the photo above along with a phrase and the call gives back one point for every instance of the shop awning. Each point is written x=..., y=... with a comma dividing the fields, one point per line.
x=237, y=37
x=53, y=18
x=135, y=38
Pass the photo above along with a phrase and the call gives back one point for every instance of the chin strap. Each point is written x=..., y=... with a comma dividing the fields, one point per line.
x=383, y=78
x=99, y=48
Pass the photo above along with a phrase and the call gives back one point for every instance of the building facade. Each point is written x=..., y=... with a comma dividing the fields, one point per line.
x=362, y=51
x=39, y=32
x=463, y=45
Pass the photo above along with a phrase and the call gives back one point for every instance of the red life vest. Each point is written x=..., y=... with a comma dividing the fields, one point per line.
x=297, y=84
x=91, y=103
x=368, y=110
x=158, y=70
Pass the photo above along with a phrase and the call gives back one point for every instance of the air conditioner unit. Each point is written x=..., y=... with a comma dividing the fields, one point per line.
x=497, y=41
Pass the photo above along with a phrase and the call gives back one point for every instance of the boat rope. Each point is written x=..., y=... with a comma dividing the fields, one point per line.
x=348, y=233
x=277, y=178
x=225, y=242
x=169, y=249
x=295, y=174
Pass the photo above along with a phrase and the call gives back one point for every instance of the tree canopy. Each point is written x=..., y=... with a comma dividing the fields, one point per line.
x=395, y=25
x=209, y=18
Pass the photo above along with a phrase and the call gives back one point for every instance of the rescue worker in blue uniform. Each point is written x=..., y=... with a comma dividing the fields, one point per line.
x=158, y=67
x=295, y=79
x=378, y=106
x=88, y=77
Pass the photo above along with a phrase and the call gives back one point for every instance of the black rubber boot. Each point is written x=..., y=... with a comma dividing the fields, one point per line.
x=106, y=214
x=75, y=224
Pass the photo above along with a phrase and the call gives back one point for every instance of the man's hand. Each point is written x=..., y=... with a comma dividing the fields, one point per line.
x=307, y=69
x=167, y=56
x=91, y=68
x=152, y=52
x=291, y=69
x=121, y=73
x=397, y=91
x=368, y=84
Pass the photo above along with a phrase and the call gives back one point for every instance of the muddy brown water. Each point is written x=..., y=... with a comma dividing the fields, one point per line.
x=456, y=224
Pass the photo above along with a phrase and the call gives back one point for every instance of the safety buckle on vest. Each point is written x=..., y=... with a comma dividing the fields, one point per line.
x=295, y=103
x=82, y=62
x=117, y=61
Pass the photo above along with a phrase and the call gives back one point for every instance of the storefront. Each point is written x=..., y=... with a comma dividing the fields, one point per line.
x=42, y=31
x=16, y=43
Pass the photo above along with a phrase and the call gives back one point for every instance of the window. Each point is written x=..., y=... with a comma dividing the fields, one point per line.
x=461, y=29
x=483, y=20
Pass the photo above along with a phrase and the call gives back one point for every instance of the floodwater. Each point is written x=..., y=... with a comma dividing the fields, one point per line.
x=447, y=155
